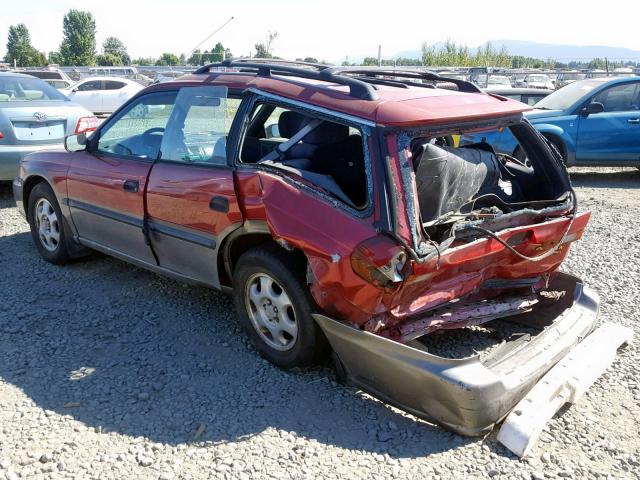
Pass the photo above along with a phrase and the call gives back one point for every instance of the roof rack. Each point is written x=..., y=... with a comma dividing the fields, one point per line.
x=360, y=80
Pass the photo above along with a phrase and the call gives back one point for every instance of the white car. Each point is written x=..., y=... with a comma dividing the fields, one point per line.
x=539, y=80
x=102, y=94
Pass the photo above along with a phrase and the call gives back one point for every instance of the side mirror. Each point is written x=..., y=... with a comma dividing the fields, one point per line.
x=593, y=107
x=75, y=143
x=74, y=90
x=272, y=131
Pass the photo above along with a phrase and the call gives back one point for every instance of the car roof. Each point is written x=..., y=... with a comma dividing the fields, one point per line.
x=402, y=107
x=518, y=91
x=106, y=77
x=17, y=74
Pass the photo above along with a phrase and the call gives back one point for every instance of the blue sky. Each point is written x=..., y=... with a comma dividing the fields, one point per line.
x=329, y=29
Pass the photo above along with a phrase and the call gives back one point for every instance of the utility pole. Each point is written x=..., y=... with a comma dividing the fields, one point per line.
x=379, y=55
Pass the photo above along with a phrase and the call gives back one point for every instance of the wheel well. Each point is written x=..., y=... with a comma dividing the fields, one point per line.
x=234, y=246
x=557, y=142
x=28, y=186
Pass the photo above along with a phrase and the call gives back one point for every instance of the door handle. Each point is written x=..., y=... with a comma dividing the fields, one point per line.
x=131, y=186
x=219, y=204
x=633, y=120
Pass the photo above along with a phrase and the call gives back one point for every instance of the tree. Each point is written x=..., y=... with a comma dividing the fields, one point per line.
x=143, y=61
x=310, y=60
x=20, y=50
x=55, y=58
x=167, y=59
x=79, y=38
x=263, y=50
x=114, y=46
x=109, y=60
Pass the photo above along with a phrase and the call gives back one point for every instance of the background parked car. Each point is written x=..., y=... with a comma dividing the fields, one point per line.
x=591, y=122
x=59, y=84
x=168, y=76
x=498, y=81
x=34, y=116
x=530, y=96
x=48, y=74
x=565, y=78
x=102, y=94
x=538, y=80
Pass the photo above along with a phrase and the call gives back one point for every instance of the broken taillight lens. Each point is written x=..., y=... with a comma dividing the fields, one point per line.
x=87, y=124
x=380, y=261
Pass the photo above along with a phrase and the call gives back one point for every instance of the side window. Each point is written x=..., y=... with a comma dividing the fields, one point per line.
x=139, y=129
x=329, y=155
x=91, y=85
x=620, y=98
x=199, y=126
x=113, y=85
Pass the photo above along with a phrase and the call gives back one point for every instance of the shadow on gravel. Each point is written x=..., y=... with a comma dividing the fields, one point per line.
x=123, y=350
x=627, y=179
x=6, y=195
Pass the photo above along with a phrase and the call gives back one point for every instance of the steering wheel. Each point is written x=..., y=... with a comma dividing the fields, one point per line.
x=152, y=130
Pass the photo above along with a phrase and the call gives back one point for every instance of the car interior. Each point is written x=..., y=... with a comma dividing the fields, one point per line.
x=327, y=154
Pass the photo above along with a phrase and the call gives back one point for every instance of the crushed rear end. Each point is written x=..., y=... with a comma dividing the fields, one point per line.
x=484, y=237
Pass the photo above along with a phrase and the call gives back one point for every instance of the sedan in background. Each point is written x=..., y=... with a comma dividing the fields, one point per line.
x=168, y=76
x=34, y=116
x=102, y=94
x=538, y=80
x=530, y=96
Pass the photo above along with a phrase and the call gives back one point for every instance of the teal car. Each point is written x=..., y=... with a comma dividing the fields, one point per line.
x=591, y=122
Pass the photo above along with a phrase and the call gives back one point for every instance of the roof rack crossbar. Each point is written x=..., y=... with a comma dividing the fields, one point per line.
x=357, y=88
x=462, y=85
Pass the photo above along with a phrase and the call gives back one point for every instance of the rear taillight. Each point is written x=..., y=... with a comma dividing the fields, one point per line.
x=87, y=124
x=1, y=135
x=380, y=261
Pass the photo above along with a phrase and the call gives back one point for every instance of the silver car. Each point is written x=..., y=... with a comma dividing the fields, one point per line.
x=34, y=116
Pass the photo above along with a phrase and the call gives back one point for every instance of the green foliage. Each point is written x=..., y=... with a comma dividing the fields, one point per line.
x=261, y=51
x=168, y=59
x=79, y=39
x=109, y=60
x=143, y=61
x=114, y=47
x=20, y=50
x=55, y=57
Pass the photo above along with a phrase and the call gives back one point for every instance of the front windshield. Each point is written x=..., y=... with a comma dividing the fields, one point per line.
x=538, y=78
x=568, y=96
x=573, y=76
x=21, y=89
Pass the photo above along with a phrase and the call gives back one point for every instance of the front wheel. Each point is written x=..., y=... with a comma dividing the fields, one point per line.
x=274, y=308
x=47, y=225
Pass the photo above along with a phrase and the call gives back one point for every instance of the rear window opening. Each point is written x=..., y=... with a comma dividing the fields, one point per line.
x=326, y=154
x=457, y=184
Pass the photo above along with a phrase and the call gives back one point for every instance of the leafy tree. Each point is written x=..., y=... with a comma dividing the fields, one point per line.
x=195, y=58
x=143, y=61
x=168, y=59
x=370, y=61
x=114, y=46
x=263, y=50
x=20, y=50
x=109, y=60
x=310, y=60
x=55, y=57
x=79, y=38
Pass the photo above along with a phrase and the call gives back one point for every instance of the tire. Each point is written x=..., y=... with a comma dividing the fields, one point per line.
x=48, y=225
x=274, y=307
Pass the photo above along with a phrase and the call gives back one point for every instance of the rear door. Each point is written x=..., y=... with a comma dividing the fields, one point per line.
x=114, y=95
x=106, y=184
x=613, y=135
x=191, y=198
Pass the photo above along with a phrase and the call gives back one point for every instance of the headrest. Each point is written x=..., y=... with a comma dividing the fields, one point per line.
x=290, y=123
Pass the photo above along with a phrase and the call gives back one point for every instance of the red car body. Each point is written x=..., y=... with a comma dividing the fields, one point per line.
x=194, y=221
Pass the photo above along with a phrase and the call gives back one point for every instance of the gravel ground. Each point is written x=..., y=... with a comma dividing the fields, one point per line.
x=108, y=371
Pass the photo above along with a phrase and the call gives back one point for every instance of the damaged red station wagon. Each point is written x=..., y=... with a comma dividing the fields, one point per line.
x=335, y=207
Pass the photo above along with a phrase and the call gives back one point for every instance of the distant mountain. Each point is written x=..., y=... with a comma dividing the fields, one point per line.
x=562, y=53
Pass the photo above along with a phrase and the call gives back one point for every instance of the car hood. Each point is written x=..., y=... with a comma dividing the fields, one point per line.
x=538, y=113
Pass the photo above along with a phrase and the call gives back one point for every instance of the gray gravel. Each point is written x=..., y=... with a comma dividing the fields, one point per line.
x=108, y=371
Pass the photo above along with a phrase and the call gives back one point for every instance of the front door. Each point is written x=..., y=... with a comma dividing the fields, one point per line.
x=191, y=197
x=612, y=135
x=106, y=184
x=88, y=94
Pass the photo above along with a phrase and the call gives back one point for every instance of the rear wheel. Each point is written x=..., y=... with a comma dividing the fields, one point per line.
x=47, y=225
x=274, y=308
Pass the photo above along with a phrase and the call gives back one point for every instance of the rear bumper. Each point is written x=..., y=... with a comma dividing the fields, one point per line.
x=464, y=395
x=10, y=156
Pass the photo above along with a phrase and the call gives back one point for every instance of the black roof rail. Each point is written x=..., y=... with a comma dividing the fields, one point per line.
x=358, y=79
x=314, y=71
x=463, y=85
